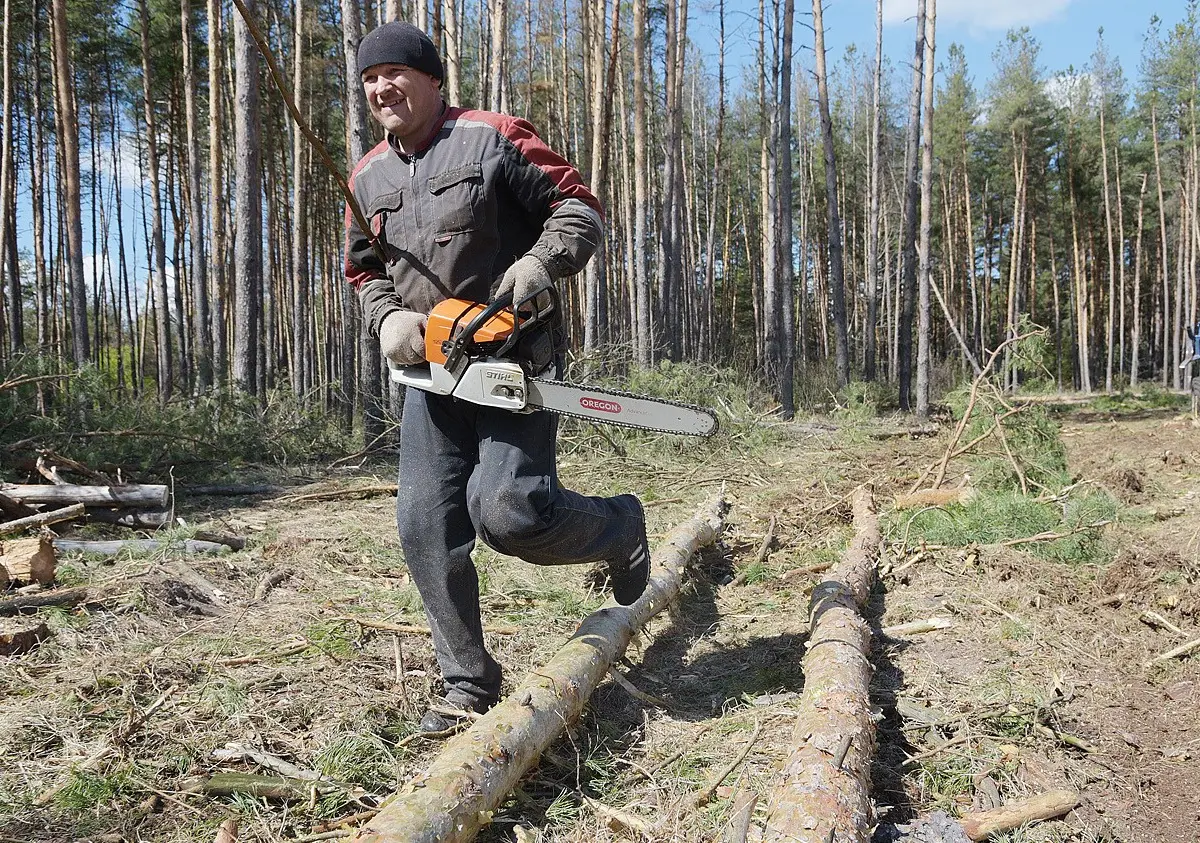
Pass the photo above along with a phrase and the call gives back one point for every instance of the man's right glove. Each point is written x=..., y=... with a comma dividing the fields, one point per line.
x=402, y=337
x=526, y=277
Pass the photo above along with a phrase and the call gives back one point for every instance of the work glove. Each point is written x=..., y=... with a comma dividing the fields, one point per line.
x=402, y=337
x=524, y=279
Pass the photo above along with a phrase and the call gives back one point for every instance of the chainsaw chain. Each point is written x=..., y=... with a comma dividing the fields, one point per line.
x=616, y=393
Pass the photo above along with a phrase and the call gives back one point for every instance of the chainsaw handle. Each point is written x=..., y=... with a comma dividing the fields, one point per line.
x=461, y=341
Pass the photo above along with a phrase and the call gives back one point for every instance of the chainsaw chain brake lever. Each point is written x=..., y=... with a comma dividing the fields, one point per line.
x=462, y=342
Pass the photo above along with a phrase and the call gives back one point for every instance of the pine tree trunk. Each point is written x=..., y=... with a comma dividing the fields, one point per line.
x=787, y=363
x=198, y=260
x=908, y=222
x=1112, y=259
x=216, y=195
x=158, y=256
x=836, y=271
x=248, y=227
x=16, y=326
x=300, y=265
x=452, y=50
x=1135, y=340
x=923, y=311
x=870, y=352
x=595, y=315
x=68, y=127
x=641, y=200
x=768, y=200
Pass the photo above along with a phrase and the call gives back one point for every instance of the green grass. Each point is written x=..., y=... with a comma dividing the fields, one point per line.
x=333, y=638
x=87, y=790
x=360, y=758
x=994, y=517
x=943, y=780
x=226, y=697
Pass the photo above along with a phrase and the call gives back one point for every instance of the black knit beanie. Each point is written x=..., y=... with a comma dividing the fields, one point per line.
x=398, y=42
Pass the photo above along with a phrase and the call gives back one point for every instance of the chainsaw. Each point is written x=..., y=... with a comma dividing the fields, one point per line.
x=491, y=354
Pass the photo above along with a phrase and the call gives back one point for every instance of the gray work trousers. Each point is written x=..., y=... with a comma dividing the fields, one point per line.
x=468, y=471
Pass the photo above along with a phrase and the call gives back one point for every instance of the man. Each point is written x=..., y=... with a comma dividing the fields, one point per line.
x=473, y=205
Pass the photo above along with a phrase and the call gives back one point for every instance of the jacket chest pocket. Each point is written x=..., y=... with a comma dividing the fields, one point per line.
x=383, y=212
x=457, y=199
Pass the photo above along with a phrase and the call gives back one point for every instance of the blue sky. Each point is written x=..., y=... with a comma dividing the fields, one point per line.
x=1066, y=29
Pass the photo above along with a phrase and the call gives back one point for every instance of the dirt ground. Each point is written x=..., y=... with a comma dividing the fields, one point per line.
x=1044, y=680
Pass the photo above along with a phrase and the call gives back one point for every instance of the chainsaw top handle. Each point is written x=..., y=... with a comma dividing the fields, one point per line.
x=526, y=314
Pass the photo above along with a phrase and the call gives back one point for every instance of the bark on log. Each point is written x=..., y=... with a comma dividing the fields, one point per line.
x=41, y=519
x=61, y=597
x=21, y=636
x=131, y=495
x=27, y=561
x=475, y=771
x=1044, y=806
x=112, y=548
x=825, y=789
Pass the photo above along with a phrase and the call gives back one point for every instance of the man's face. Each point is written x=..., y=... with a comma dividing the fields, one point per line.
x=403, y=100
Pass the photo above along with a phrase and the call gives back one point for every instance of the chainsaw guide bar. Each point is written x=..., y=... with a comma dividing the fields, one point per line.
x=611, y=406
x=487, y=354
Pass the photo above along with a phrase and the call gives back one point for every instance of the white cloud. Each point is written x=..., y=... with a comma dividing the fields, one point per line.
x=979, y=16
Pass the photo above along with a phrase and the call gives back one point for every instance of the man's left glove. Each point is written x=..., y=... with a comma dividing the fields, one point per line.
x=526, y=278
x=402, y=337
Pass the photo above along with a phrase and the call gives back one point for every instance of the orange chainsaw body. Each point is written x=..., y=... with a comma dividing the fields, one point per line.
x=449, y=317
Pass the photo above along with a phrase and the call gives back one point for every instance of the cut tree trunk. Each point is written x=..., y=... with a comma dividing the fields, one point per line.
x=41, y=519
x=825, y=789
x=27, y=561
x=61, y=597
x=130, y=495
x=474, y=773
x=18, y=635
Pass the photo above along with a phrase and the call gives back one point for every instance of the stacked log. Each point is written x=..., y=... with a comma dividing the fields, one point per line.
x=139, y=506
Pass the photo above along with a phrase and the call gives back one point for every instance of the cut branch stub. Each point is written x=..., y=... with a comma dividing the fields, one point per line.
x=477, y=769
x=825, y=788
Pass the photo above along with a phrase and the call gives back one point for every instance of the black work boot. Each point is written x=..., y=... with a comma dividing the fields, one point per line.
x=630, y=572
x=443, y=715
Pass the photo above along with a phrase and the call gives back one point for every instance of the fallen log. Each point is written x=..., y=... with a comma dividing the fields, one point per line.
x=112, y=548
x=1045, y=806
x=824, y=792
x=137, y=519
x=475, y=771
x=130, y=495
x=21, y=636
x=14, y=509
x=27, y=561
x=60, y=597
x=41, y=519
